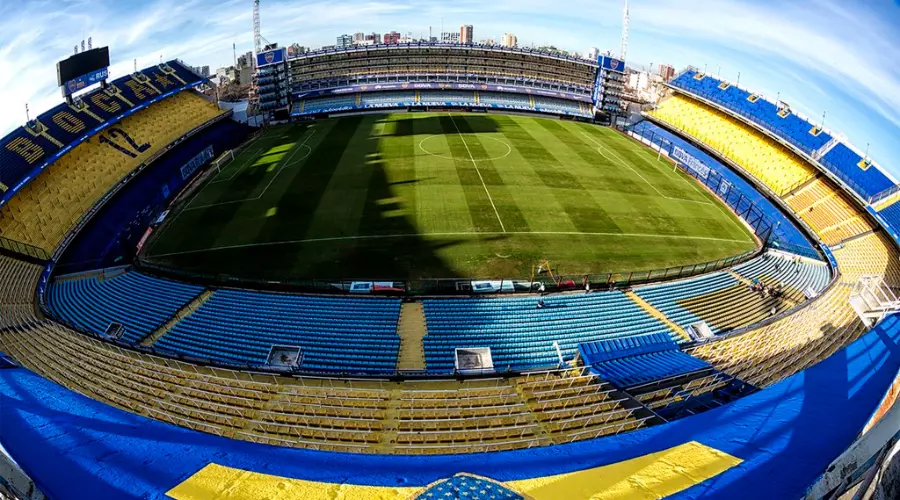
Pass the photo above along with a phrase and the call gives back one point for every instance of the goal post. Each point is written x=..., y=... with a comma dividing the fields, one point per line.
x=224, y=159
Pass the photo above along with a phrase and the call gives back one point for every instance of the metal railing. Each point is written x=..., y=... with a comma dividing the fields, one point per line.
x=725, y=190
x=546, y=282
x=23, y=249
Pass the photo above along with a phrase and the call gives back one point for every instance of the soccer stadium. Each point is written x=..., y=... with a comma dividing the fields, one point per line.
x=441, y=270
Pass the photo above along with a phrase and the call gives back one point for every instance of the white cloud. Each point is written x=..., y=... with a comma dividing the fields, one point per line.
x=793, y=47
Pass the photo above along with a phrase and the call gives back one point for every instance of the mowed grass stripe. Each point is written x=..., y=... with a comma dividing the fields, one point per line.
x=581, y=210
x=252, y=215
x=405, y=211
x=615, y=178
x=686, y=185
x=613, y=187
x=508, y=209
x=343, y=200
x=298, y=196
x=623, y=151
x=250, y=153
x=441, y=200
x=204, y=227
x=390, y=203
x=478, y=202
x=253, y=178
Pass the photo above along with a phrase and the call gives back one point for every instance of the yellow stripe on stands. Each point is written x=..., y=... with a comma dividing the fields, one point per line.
x=217, y=482
x=655, y=475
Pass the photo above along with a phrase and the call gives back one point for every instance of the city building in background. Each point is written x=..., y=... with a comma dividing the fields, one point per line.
x=449, y=37
x=509, y=40
x=466, y=34
x=343, y=41
x=667, y=72
x=392, y=37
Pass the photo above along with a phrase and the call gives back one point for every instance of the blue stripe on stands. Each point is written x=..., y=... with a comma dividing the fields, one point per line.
x=786, y=436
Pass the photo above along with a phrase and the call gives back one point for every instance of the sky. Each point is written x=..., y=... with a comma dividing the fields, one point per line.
x=836, y=57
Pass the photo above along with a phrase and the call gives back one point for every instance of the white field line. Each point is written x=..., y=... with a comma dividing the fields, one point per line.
x=259, y=140
x=601, y=149
x=287, y=163
x=470, y=233
x=475, y=164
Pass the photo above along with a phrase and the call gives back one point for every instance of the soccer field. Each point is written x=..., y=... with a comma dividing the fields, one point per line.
x=408, y=196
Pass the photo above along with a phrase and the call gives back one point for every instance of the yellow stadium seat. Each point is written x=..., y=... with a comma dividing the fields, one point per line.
x=47, y=208
x=762, y=157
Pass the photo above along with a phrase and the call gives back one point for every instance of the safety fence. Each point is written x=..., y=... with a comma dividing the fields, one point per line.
x=546, y=279
x=744, y=205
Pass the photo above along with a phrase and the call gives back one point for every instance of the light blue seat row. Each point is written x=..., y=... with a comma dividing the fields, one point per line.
x=139, y=302
x=336, y=334
x=521, y=335
x=800, y=275
x=665, y=296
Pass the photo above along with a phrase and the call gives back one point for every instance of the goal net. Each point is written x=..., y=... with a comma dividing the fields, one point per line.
x=223, y=160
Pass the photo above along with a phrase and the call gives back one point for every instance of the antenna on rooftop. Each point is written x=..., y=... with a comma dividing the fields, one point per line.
x=624, y=32
x=257, y=35
x=28, y=117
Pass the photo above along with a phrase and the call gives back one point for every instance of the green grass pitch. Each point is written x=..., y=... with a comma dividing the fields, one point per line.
x=409, y=196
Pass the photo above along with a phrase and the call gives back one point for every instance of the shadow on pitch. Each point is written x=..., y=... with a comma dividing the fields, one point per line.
x=432, y=125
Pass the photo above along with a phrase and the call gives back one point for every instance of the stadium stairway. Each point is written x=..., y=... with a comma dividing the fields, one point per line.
x=179, y=315
x=656, y=313
x=411, y=329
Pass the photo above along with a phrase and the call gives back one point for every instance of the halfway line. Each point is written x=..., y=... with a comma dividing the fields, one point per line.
x=475, y=164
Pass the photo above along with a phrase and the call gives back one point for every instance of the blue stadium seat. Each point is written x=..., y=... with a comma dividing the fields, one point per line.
x=335, y=334
x=666, y=296
x=800, y=276
x=843, y=160
x=639, y=359
x=139, y=302
x=789, y=127
x=840, y=159
x=520, y=335
x=22, y=151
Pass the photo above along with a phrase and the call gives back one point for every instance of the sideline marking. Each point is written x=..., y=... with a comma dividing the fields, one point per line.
x=287, y=163
x=601, y=149
x=475, y=164
x=470, y=233
x=651, y=476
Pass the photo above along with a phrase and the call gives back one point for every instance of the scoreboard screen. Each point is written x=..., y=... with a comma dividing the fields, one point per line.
x=89, y=61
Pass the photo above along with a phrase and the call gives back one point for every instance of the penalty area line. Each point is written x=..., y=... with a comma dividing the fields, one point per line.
x=601, y=149
x=469, y=233
x=287, y=163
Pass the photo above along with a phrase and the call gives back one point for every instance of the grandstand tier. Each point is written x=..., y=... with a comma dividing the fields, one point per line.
x=419, y=65
x=773, y=164
x=333, y=334
x=636, y=366
x=44, y=210
x=424, y=99
x=53, y=133
x=837, y=157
